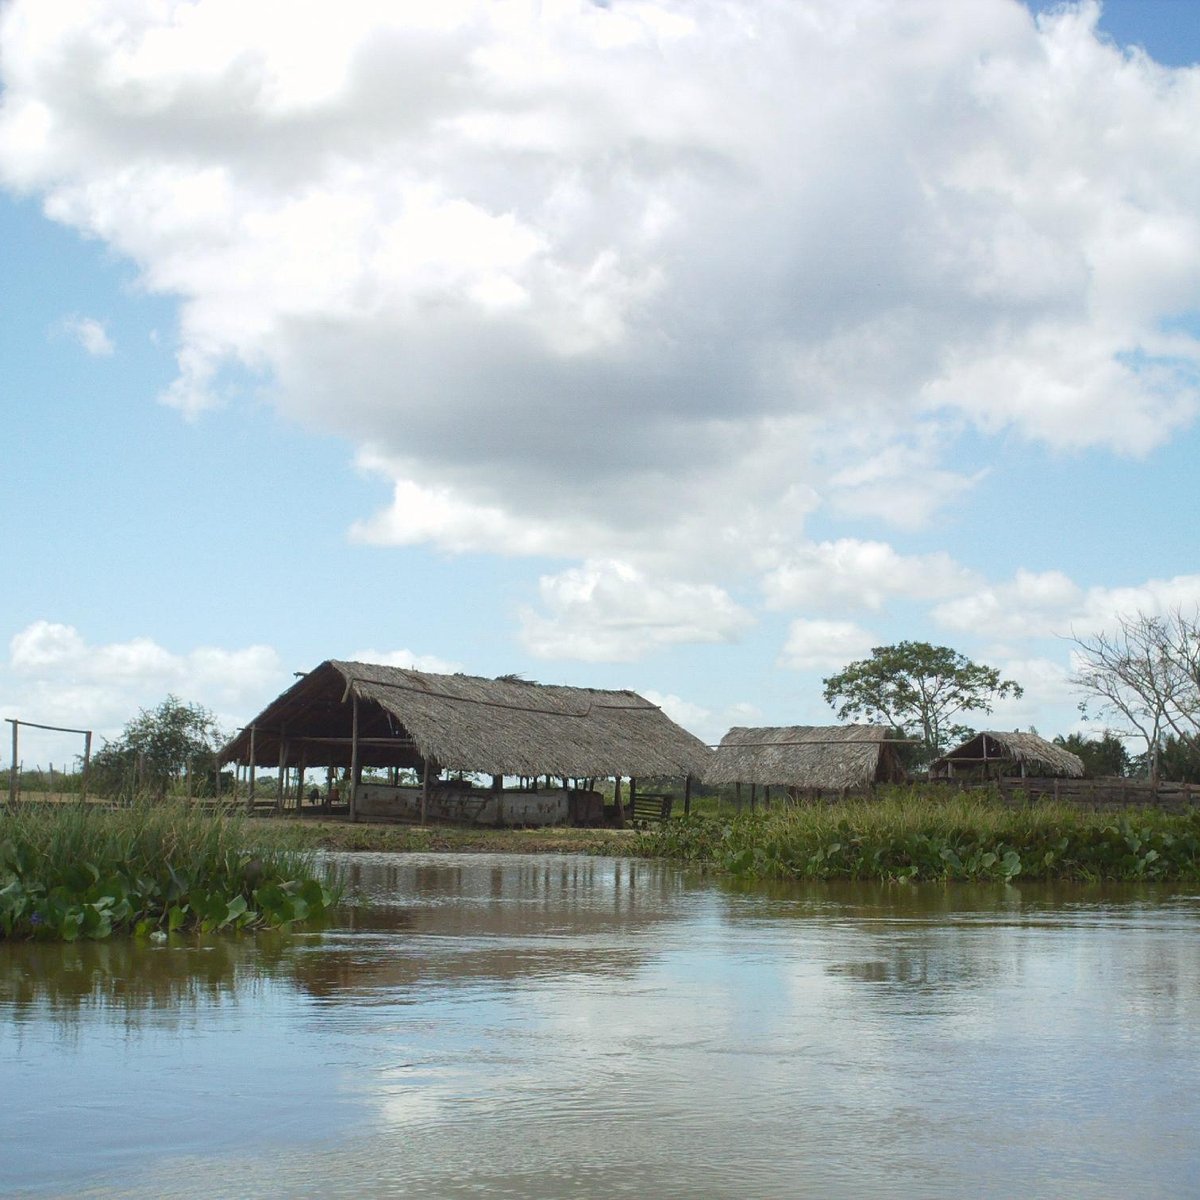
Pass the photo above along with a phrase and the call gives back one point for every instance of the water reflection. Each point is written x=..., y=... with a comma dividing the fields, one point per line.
x=550, y=1026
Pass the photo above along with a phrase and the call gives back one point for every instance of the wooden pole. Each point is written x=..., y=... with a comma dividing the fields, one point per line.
x=687, y=796
x=618, y=806
x=633, y=795
x=753, y=795
x=301, y=769
x=354, y=758
x=250, y=782
x=12, y=773
x=738, y=793
x=87, y=764
x=281, y=782
x=424, y=789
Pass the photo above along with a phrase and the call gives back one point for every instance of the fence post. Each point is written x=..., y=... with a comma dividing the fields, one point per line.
x=13, y=770
x=87, y=765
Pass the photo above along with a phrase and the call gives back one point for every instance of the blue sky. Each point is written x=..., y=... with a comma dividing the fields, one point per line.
x=434, y=343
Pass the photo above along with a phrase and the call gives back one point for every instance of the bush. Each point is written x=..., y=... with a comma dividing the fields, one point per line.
x=909, y=836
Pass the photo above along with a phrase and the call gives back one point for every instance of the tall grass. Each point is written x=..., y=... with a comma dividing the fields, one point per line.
x=75, y=871
x=906, y=834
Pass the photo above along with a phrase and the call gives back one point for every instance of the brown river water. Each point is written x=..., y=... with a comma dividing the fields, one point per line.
x=543, y=1027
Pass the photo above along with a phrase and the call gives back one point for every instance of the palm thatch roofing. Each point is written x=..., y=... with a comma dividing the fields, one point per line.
x=824, y=757
x=505, y=726
x=1006, y=750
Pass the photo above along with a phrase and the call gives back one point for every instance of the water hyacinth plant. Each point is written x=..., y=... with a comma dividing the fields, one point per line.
x=905, y=835
x=87, y=872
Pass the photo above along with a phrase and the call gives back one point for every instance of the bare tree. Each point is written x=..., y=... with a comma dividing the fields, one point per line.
x=1145, y=676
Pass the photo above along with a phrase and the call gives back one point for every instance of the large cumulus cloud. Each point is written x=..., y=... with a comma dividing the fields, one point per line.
x=644, y=283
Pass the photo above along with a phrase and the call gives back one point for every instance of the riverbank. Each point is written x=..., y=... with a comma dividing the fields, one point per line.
x=900, y=835
x=86, y=871
x=905, y=835
x=364, y=836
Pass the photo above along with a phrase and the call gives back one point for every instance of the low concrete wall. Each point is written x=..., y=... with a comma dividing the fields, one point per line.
x=465, y=806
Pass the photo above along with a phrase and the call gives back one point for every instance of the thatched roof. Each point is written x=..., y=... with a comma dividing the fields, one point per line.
x=805, y=756
x=1039, y=756
x=504, y=726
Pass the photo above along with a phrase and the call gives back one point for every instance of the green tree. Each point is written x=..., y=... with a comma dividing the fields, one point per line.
x=156, y=750
x=1100, y=756
x=1179, y=760
x=918, y=689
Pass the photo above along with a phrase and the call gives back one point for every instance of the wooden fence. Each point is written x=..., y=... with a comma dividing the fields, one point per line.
x=1100, y=794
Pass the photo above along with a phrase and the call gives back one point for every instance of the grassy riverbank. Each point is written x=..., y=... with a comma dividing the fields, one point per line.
x=87, y=872
x=908, y=836
x=557, y=839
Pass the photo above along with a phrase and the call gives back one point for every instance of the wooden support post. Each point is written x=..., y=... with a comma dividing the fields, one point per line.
x=354, y=758
x=738, y=793
x=687, y=796
x=87, y=764
x=424, y=790
x=281, y=782
x=753, y=795
x=301, y=769
x=619, y=808
x=633, y=795
x=250, y=781
x=13, y=770
x=767, y=796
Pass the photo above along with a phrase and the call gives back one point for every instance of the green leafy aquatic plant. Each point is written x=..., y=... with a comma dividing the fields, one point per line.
x=906, y=835
x=86, y=872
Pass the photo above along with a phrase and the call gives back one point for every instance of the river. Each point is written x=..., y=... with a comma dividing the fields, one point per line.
x=545, y=1027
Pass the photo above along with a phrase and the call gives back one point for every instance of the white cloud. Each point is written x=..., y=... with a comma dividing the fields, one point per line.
x=1048, y=604
x=55, y=677
x=824, y=645
x=710, y=725
x=408, y=660
x=608, y=611
x=642, y=283
x=91, y=335
x=849, y=573
x=854, y=203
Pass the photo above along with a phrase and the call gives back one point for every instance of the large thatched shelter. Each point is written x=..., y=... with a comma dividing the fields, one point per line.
x=353, y=715
x=806, y=757
x=993, y=754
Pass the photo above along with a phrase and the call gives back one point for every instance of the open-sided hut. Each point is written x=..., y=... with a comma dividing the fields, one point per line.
x=807, y=758
x=993, y=754
x=352, y=715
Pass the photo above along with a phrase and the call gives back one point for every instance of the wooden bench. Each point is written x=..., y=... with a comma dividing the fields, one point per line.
x=650, y=806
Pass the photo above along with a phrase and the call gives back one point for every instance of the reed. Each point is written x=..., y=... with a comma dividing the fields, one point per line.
x=908, y=834
x=82, y=871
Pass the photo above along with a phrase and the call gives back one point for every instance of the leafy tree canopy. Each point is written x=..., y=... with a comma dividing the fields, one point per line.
x=919, y=689
x=1100, y=756
x=156, y=749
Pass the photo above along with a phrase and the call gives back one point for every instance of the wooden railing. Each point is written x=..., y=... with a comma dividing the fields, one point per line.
x=1096, y=793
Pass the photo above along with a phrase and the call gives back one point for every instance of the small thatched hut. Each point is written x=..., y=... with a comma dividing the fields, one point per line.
x=993, y=754
x=353, y=715
x=822, y=758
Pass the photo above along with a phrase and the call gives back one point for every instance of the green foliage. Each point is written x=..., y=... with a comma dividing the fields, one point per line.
x=1179, y=760
x=1100, y=756
x=919, y=689
x=156, y=749
x=82, y=872
x=911, y=836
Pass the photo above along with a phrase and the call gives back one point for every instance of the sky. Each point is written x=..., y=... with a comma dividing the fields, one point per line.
x=694, y=348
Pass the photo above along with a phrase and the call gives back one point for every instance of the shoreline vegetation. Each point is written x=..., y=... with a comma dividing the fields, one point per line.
x=902, y=835
x=85, y=871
